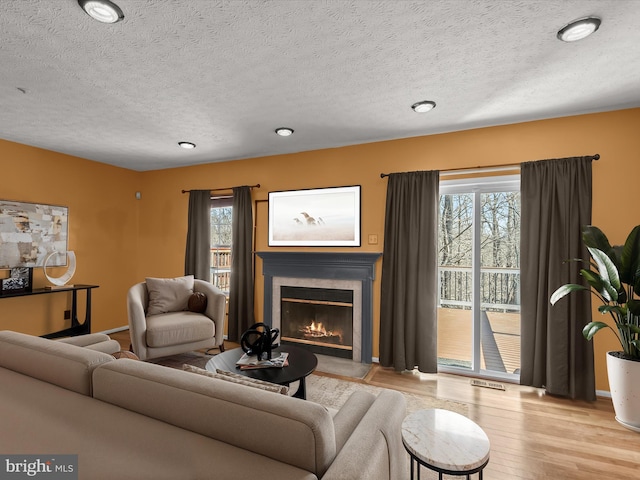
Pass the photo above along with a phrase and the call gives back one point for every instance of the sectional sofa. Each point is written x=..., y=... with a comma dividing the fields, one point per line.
x=128, y=419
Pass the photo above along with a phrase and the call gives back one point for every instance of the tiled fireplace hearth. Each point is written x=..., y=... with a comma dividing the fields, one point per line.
x=349, y=274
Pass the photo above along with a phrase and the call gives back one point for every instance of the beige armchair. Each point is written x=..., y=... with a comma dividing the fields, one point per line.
x=173, y=332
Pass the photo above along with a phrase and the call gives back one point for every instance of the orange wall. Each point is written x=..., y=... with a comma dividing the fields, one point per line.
x=147, y=237
x=102, y=232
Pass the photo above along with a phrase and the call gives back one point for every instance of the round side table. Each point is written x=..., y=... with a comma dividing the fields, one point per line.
x=446, y=442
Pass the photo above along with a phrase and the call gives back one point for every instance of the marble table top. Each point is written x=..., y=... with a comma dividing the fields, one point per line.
x=445, y=440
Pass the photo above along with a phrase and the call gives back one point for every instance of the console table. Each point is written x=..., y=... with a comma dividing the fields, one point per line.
x=76, y=327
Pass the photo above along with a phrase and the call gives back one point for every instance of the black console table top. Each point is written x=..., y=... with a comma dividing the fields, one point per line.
x=40, y=291
x=76, y=327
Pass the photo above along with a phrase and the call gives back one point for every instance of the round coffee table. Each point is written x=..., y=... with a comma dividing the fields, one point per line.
x=301, y=363
x=445, y=442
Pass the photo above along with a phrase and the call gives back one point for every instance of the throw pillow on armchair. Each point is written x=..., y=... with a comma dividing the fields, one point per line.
x=197, y=302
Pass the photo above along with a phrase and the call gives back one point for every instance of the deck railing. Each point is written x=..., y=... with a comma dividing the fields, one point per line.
x=221, y=267
x=499, y=288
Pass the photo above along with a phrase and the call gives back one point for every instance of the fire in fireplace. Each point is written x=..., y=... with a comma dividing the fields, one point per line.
x=319, y=333
x=320, y=319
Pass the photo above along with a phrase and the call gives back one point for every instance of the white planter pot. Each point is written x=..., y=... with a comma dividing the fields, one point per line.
x=624, y=383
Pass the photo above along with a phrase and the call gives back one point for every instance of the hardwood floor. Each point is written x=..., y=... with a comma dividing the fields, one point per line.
x=533, y=435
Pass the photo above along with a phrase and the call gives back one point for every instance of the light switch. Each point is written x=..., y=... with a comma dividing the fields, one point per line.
x=373, y=239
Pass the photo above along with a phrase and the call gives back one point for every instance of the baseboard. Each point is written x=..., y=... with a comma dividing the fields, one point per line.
x=114, y=330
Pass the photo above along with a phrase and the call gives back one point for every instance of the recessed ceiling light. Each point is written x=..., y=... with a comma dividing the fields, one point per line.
x=187, y=145
x=423, y=107
x=284, y=131
x=103, y=11
x=579, y=29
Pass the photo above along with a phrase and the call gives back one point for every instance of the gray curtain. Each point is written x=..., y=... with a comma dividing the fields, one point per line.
x=408, y=324
x=197, y=258
x=556, y=204
x=241, y=315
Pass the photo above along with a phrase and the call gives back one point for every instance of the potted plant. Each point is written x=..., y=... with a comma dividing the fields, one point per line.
x=616, y=283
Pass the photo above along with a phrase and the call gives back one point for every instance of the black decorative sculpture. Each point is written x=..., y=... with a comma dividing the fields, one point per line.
x=259, y=340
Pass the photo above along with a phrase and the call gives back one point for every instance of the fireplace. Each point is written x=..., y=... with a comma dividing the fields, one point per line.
x=321, y=319
x=303, y=290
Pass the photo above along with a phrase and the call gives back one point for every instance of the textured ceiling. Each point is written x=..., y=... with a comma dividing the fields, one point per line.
x=225, y=74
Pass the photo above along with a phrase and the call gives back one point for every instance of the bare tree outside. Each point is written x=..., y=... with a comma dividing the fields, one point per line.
x=499, y=252
x=221, y=231
x=455, y=248
x=221, y=226
x=489, y=320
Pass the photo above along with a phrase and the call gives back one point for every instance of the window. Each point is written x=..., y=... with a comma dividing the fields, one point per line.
x=221, y=217
x=479, y=276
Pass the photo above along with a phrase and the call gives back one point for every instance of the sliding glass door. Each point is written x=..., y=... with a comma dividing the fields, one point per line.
x=479, y=277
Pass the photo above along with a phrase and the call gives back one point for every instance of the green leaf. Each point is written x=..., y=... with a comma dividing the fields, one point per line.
x=630, y=257
x=607, y=271
x=634, y=307
x=593, y=279
x=632, y=328
x=565, y=290
x=615, y=254
x=592, y=328
x=622, y=295
x=611, y=308
x=593, y=237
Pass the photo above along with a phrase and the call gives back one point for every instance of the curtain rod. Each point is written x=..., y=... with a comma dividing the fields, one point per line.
x=257, y=185
x=488, y=168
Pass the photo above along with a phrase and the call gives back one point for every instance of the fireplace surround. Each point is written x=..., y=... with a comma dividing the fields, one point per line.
x=347, y=271
x=279, y=307
x=321, y=319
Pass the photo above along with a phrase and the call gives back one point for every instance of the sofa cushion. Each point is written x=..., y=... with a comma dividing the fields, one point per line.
x=293, y=431
x=237, y=378
x=62, y=364
x=168, y=294
x=169, y=329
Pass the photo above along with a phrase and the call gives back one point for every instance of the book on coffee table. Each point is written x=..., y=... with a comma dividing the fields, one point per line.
x=247, y=362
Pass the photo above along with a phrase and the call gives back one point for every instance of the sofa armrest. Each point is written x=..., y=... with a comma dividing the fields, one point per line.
x=350, y=415
x=93, y=341
x=374, y=450
x=58, y=363
x=216, y=306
